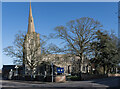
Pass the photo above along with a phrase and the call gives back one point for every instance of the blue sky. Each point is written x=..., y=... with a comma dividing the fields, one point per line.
x=48, y=15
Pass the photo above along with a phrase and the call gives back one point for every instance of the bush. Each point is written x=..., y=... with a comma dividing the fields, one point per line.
x=39, y=78
x=74, y=78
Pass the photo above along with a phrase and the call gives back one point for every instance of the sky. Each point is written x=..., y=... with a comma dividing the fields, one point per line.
x=48, y=15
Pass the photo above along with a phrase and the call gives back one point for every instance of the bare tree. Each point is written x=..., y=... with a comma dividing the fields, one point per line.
x=78, y=34
x=16, y=51
x=30, y=53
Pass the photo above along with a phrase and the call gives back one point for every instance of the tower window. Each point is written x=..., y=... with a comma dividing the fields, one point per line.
x=31, y=20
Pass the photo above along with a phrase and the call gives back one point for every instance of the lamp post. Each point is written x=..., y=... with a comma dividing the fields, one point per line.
x=52, y=71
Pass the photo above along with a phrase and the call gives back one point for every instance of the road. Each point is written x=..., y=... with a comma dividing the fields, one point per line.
x=104, y=83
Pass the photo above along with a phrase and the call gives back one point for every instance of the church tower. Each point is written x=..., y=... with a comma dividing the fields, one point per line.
x=31, y=49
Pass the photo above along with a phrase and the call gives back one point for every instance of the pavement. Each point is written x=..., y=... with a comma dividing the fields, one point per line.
x=104, y=83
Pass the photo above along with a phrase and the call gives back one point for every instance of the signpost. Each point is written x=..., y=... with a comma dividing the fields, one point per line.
x=60, y=77
x=60, y=70
x=52, y=71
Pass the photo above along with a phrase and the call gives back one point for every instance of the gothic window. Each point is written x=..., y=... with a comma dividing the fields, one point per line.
x=83, y=68
x=69, y=69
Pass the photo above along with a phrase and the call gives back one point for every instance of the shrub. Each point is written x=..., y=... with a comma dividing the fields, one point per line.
x=74, y=78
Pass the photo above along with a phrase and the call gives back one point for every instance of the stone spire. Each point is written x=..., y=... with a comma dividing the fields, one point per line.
x=31, y=27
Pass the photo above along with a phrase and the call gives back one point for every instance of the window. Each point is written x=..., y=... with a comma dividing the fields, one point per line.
x=83, y=68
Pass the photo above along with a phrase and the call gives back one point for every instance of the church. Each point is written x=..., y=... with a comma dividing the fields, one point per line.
x=32, y=52
x=36, y=64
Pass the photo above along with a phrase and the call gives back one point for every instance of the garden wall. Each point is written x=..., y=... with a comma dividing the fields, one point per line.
x=111, y=75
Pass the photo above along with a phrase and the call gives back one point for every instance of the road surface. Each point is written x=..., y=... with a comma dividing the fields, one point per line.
x=104, y=83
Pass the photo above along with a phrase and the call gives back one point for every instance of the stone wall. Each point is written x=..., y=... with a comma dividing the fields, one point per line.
x=0, y=76
x=60, y=78
x=111, y=75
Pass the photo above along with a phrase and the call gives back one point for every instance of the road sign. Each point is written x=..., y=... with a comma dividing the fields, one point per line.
x=60, y=70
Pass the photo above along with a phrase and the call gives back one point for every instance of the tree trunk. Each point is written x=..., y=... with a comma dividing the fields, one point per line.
x=107, y=69
x=80, y=63
x=104, y=69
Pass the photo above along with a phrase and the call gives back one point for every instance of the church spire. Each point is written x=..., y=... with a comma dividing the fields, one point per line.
x=31, y=27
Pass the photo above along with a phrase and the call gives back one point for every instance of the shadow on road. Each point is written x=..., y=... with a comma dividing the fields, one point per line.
x=61, y=88
x=110, y=81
